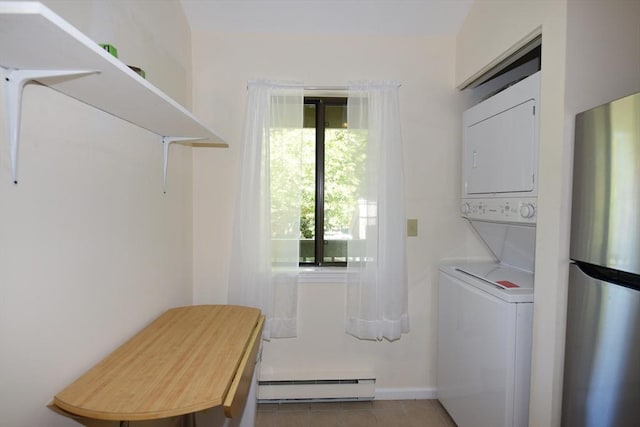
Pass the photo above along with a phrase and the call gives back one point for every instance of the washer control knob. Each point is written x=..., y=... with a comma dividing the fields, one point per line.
x=465, y=209
x=527, y=210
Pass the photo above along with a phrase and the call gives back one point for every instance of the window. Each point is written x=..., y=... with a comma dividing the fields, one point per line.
x=333, y=160
x=264, y=270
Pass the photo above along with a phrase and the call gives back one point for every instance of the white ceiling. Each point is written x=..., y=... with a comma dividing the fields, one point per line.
x=342, y=17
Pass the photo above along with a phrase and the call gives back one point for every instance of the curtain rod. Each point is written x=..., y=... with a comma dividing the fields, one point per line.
x=310, y=87
x=301, y=85
x=340, y=88
x=332, y=88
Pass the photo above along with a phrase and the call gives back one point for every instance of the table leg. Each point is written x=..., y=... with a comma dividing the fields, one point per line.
x=188, y=420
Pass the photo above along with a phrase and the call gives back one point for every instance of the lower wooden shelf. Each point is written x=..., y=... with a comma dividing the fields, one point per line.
x=187, y=360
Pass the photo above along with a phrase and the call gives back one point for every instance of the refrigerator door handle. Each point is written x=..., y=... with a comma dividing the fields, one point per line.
x=620, y=278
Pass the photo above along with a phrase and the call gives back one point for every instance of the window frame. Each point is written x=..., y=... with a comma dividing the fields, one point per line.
x=321, y=102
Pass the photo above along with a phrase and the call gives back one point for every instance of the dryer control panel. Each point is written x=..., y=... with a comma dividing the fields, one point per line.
x=515, y=210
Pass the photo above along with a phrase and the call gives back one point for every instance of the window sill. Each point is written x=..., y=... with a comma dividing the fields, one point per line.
x=336, y=275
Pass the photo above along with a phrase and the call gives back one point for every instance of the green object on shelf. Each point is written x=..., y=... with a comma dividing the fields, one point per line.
x=110, y=48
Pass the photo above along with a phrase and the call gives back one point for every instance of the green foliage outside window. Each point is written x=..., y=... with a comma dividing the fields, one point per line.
x=344, y=162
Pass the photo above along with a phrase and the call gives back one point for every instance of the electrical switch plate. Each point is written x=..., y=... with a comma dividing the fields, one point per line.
x=412, y=227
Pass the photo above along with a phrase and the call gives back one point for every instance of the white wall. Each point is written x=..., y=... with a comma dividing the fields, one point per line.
x=603, y=52
x=430, y=114
x=90, y=248
x=590, y=54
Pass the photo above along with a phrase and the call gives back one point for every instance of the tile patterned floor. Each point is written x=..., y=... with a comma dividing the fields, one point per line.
x=379, y=413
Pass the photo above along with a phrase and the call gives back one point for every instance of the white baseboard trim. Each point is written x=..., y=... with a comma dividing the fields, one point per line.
x=408, y=393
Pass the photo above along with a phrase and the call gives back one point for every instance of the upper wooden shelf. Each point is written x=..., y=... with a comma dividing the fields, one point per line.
x=49, y=50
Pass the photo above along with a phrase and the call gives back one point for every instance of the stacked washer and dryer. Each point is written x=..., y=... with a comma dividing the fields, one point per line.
x=485, y=309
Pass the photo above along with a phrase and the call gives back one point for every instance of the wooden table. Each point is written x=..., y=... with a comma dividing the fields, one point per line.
x=188, y=359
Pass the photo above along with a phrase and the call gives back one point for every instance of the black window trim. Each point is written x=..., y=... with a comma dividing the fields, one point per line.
x=321, y=103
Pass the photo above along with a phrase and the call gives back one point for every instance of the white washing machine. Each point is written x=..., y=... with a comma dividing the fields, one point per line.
x=484, y=344
x=485, y=310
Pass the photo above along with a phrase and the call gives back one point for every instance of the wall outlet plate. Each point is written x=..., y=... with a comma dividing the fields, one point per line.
x=412, y=227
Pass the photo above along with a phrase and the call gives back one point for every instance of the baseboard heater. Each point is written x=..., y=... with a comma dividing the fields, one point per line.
x=316, y=390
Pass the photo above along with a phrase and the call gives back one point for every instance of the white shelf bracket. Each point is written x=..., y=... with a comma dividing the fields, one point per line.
x=14, y=82
x=166, y=142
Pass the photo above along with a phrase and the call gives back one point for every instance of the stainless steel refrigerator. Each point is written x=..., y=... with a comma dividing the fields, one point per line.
x=602, y=354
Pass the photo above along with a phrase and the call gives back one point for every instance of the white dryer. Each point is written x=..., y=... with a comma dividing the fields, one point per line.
x=485, y=310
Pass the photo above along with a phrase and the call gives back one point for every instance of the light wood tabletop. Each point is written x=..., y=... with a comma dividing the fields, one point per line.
x=186, y=360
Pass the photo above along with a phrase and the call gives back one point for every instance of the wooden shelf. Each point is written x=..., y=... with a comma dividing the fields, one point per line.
x=38, y=45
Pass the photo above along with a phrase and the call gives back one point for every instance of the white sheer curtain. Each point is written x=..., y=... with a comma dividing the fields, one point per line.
x=265, y=248
x=377, y=286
